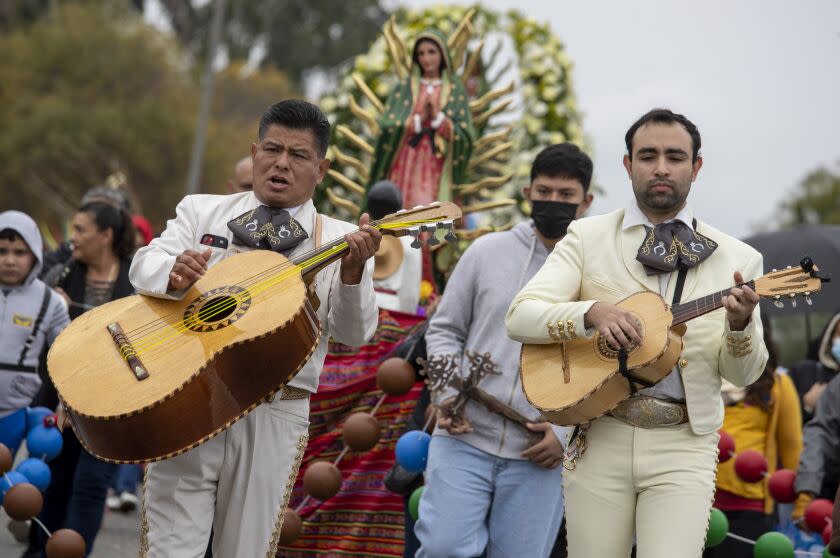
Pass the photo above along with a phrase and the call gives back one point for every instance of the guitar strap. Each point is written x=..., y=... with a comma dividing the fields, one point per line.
x=316, y=237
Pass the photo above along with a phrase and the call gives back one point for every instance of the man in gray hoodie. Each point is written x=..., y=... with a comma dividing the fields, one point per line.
x=490, y=484
x=31, y=317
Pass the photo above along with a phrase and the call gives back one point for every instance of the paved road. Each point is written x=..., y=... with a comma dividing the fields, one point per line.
x=119, y=537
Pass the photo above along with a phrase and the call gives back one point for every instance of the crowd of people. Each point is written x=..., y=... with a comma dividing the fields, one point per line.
x=628, y=481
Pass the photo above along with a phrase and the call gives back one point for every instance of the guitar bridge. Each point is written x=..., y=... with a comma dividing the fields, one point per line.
x=127, y=351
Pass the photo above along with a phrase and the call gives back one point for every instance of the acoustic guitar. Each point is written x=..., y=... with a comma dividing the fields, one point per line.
x=580, y=379
x=144, y=378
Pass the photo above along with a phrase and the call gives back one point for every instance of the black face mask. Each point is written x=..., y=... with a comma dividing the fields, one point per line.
x=552, y=218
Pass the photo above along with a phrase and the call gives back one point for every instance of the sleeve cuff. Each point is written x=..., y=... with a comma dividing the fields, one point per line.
x=739, y=343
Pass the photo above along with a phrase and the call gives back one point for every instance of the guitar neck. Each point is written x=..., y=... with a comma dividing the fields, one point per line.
x=312, y=262
x=700, y=306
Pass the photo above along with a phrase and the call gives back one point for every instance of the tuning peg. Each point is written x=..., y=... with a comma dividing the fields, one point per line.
x=415, y=234
x=433, y=241
x=808, y=300
x=774, y=270
x=777, y=302
x=792, y=300
x=450, y=234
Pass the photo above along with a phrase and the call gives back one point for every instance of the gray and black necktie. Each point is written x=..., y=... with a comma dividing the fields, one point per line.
x=668, y=246
x=269, y=229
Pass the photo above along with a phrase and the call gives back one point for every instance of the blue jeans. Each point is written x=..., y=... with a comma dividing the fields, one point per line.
x=127, y=479
x=13, y=430
x=475, y=501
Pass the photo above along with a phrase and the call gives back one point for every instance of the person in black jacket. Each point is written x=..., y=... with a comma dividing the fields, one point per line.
x=103, y=241
x=813, y=374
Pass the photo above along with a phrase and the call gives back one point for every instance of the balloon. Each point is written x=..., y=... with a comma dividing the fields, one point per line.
x=360, y=431
x=36, y=471
x=412, y=450
x=44, y=442
x=5, y=459
x=8, y=480
x=726, y=447
x=65, y=543
x=817, y=513
x=414, y=502
x=718, y=527
x=36, y=415
x=827, y=554
x=395, y=376
x=292, y=524
x=23, y=501
x=780, y=485
x=750, y=465
x=827, y=533
x=322, y=480
x=773, y=545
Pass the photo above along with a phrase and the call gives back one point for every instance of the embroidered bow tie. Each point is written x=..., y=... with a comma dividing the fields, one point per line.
x=671, y=245
x=268, y=229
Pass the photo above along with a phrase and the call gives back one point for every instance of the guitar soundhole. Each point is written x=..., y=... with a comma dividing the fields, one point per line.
x=217, y=308
x=607, y=351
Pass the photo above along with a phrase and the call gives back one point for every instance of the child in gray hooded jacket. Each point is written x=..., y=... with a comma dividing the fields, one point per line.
x=31, y=317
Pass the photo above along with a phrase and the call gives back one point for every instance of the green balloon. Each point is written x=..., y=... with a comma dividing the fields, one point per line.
x=718, y=528
x=414, y=503
x=827, y=554
x=773, y=545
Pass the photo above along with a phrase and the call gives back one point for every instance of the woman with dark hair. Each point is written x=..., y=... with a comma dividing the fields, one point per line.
x=103, y=241
x=764, y=417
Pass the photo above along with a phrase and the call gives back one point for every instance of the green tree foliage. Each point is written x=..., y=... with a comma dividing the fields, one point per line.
x=816, y=201
x=297, y=36
x=89, y=91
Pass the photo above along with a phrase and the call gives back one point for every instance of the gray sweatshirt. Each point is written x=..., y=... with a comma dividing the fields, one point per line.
x=471, y=317
x=821, y=441
x=20, y=309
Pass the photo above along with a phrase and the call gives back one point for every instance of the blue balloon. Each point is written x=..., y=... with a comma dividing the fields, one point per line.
x=37, y=472
x=44, y=442
x=9, y=480
x=413, y=450
x=35, y=416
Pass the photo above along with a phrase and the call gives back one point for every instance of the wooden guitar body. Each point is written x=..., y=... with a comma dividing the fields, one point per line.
x=578, y=380
x=204, y=361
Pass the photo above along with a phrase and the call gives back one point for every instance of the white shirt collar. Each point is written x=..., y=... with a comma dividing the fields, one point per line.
x=633, y=217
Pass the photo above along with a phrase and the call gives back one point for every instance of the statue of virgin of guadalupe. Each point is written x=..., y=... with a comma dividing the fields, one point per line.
x=427, y=129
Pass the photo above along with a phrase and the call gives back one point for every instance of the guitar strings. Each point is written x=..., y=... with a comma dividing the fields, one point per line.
x=230, y=301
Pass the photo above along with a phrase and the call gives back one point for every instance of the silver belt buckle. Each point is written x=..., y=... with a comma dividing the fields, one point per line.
x=650, y=412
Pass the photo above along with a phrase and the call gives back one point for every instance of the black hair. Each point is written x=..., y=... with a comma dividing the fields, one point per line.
x=565, y=160
x=759, y=392
x=664, y=116
x=415, y=57
x=383, y=198
x=298, y=115
x=107, y=216
x=11, y=235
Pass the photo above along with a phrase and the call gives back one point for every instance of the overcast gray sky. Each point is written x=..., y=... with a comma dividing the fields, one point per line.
x=760, y=79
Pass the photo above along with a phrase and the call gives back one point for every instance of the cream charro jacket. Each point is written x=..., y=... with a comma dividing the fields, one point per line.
x=347, y=312
x=596, y=261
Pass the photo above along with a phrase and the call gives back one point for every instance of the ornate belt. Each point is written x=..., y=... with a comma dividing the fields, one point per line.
x=291, y=392
x=650, y=412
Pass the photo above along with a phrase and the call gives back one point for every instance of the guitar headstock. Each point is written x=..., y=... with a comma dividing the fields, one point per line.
x=425, y=218
x=790, y=283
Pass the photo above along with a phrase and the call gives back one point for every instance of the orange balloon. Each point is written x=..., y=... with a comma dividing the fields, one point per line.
x=322, y=480
x=395, y=376
x=292, y=525
x=23, y=501
x=5, y=459
x=65, y=543
x=360, y=431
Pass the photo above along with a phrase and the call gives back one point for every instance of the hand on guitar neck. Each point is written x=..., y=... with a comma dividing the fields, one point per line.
x=739, y=304
x=362, y=244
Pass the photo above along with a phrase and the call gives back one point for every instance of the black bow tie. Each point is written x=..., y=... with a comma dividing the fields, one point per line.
x=671, y=245
x=269, y=229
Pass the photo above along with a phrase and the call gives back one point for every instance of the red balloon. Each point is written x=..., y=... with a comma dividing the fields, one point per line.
x=726, y=447
x=827, y=533
x=750, y=466
x=780, y=485
x=5, y=459
x=818, y=513
x=65, y=543
x=292, y=525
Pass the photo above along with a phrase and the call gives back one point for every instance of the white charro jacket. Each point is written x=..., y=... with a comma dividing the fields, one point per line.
x=596, y=261
x=347, y=312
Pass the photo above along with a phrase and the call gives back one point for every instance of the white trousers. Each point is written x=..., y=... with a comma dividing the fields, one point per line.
x=238, y=483
x=657, y=484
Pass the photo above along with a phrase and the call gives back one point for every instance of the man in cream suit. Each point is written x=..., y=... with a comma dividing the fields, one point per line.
x=650, y=475
x=239, y=482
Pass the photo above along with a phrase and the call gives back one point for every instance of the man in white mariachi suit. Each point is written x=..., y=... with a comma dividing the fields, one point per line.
x=239, y=482
x=647, y=469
